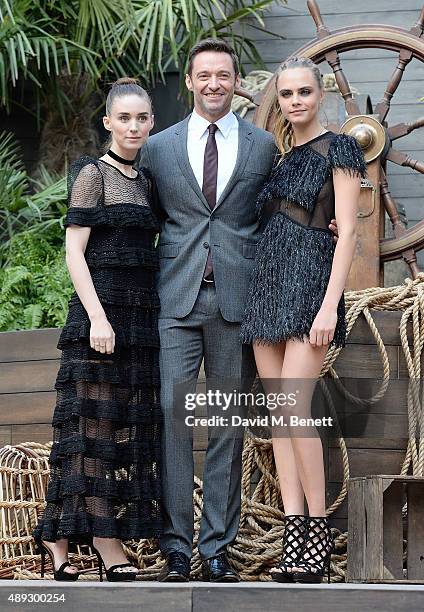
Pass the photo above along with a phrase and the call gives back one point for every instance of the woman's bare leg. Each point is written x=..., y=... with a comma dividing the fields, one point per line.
x=269, y=362
x=112, y=553
x=301, y=367
x=60, y=554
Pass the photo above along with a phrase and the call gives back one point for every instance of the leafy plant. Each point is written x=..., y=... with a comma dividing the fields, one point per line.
x=70, y=49
x=35, y=285
x=26, y=204
x=165, y=30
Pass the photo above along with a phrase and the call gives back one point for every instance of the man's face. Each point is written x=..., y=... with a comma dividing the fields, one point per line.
x=212, y=82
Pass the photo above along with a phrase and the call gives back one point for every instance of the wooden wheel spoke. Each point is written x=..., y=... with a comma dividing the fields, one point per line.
x=391, y=208
x=352, y=107
x=418, y=28
x=333, y=60
x=403, y=159
x=399, y=230
x=383, y=107
x=403, y=129
x=322, y=30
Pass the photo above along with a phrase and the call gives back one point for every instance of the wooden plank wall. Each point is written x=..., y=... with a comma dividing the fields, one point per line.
x=29, y=362
x=368, y=70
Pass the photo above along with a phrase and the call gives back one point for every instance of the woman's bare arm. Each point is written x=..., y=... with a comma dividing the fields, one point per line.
x=346, y=191
x=102, y=336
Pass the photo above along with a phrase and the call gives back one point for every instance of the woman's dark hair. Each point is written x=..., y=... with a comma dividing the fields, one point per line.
x=125, y=86
x=212, y=44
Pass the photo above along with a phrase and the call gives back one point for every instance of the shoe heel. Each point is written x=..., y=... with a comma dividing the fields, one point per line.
x=100, y=564
x=43, y=561
x=99, y=560
x=333, y=549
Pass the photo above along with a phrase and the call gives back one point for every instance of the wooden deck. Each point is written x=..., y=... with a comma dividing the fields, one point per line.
x=205, y=597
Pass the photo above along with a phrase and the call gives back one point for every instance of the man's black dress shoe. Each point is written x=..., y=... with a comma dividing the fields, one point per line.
x=176, y=568
x=218, y=569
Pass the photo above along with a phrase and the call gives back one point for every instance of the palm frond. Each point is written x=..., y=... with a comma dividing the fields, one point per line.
x=166, y=30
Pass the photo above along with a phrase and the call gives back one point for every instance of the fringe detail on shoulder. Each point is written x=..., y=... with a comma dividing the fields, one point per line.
x=290, y=278
x=298, y=178
x=346, y=154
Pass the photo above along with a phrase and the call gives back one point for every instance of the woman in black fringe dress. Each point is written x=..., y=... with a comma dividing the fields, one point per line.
x=105, y=461
x=295, y=305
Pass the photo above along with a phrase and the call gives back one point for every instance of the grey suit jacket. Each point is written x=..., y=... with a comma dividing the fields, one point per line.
x=190, y=228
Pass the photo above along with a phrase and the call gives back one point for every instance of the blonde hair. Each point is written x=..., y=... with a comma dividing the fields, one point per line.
x=283, y=129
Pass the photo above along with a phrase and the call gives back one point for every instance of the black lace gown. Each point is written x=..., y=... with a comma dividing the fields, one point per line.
x=105, y=459
x=295, y=253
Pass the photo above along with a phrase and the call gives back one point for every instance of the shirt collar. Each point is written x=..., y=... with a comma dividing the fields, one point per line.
x=198, y=125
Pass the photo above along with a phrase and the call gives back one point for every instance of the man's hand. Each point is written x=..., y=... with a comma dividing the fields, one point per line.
x=333, y=227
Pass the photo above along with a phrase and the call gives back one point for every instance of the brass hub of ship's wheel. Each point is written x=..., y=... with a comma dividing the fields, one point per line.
x=370, y=134
x=372, y=131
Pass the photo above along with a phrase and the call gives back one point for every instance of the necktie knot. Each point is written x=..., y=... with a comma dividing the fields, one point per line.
x=212, y=127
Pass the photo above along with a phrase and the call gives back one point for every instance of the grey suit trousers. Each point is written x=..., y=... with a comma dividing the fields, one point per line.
x=202, y=333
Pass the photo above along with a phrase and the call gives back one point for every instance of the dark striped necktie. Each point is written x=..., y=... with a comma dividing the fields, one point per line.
x=210, y=174
x=210, y=167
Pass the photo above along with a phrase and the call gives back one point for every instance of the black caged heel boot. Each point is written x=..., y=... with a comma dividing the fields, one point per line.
x=293, y=541
x=316, y=554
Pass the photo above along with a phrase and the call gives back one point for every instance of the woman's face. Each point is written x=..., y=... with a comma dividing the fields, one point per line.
x=299, y=96
x=130, y=122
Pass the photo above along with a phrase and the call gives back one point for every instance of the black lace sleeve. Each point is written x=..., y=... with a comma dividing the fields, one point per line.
x=346, y=154
x=85, y=194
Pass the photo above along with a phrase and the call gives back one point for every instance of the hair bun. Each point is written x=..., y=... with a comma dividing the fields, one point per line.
x=126, y=81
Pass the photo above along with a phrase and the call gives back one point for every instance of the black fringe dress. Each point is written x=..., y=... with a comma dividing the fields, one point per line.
x=105, y=459
x=295, y=253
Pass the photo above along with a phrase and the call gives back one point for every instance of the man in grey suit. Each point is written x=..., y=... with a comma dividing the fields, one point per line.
x=209, y=169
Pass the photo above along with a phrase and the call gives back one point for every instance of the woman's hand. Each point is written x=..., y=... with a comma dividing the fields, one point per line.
x=334, y=228
x=102, y=336
x=322, y=330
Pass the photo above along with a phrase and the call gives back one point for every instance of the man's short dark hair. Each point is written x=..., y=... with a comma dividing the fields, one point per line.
x=212, y=44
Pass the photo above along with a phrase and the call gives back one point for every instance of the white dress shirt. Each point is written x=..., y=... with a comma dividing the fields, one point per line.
x=226, y=137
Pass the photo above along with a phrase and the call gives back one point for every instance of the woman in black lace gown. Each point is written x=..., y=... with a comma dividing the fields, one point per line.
x=105, y=461
x=295, y=306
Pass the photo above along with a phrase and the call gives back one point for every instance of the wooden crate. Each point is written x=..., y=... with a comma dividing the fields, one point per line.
x=377, y=529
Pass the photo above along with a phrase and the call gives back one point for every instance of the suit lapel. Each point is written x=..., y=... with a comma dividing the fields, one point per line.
x=181, y=154
x=245, y=142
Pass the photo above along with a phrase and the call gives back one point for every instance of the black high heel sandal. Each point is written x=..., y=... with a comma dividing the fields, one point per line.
x=293, y=539
x=59, y=574
x=111, y=574
x=316, y=553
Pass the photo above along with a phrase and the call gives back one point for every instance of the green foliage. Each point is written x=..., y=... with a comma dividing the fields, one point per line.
x=35, y=285
x=165, y=30
x=46, y=41
x=22, y=208
x=34, y=282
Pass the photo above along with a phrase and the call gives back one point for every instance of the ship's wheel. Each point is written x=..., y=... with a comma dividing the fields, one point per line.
x=375, y=136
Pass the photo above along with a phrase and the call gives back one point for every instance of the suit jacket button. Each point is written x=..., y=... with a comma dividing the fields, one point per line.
x=206, y=245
